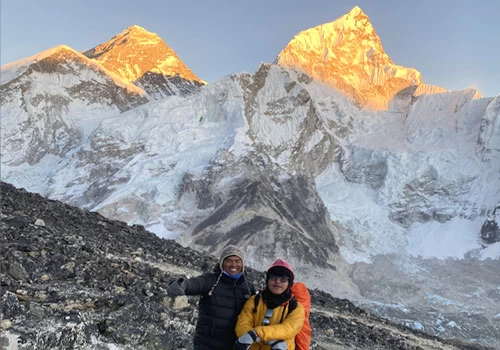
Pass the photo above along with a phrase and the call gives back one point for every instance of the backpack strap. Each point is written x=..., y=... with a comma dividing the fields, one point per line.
x=288, y=307
x=256, y=302
x=292, y=304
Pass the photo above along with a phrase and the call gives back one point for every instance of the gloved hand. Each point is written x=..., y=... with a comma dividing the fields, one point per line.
x=177, y=287
x=247, y=339
x=240, y=346
x=278, y=345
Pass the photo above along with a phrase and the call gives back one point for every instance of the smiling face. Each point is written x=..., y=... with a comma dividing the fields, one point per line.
x=233, y=265
x=277, y=285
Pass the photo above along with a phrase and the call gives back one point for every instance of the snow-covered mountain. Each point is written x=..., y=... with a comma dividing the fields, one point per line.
x=373, y=184
x=53, y=101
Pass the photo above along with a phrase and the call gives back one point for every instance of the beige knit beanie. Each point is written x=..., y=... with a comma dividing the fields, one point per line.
x=231, y=250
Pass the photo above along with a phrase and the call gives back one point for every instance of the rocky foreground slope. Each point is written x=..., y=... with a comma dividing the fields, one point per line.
x=72, y=279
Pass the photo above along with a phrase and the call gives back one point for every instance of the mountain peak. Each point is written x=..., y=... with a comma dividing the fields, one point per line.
x=356, y=10
x=14, y=69
x=139, y=33
x=356, y=18
x=55, y=52
x=135, y=52
x=347, y=54
x=138, y=29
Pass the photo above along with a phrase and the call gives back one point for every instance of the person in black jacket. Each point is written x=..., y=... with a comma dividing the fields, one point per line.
x=222, y=296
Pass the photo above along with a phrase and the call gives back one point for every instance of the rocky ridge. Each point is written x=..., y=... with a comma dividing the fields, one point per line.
x=72, y=279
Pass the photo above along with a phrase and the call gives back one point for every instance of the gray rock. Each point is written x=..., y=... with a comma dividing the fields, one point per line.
x=111, y=300
x=17, y=271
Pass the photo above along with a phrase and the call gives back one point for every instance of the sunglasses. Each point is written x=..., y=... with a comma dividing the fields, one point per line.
x=269, y=314
x=279, y=279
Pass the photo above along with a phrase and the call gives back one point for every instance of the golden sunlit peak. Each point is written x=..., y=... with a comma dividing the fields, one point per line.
x=136, y=31
x=356, y=10
x=355, y=19
x=135, y=52
x=356, y=63
x=136, y=28
x=59, y=50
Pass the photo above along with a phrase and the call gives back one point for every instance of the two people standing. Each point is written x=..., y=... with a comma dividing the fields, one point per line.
x=231, y=316
x=222, y=296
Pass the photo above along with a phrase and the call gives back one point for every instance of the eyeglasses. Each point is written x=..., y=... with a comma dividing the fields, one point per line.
x=269, y=314
x=279, y=279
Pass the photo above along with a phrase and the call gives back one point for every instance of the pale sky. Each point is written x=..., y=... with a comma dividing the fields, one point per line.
x=454, y=43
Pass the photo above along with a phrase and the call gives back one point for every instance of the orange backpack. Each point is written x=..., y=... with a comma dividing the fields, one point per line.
x=301, y=293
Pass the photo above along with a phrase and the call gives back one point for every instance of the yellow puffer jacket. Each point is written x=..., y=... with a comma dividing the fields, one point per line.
x=286, y=330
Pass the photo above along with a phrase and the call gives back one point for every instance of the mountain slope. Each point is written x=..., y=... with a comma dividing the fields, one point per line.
x=72, y=279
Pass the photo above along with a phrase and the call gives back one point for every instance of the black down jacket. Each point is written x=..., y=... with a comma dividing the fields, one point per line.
x=219, y=306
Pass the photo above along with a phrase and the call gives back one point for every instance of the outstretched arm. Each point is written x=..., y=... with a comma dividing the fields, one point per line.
x=193, y=286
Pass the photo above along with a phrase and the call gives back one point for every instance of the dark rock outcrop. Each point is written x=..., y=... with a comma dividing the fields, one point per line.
x=72, y=279
x=159, y=86
x=490, y=231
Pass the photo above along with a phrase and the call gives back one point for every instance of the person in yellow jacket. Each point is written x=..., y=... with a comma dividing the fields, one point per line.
x=273, y=321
